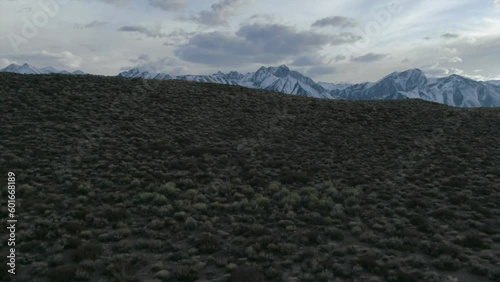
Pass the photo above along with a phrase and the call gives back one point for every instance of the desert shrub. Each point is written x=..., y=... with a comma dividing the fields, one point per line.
x=88, y=251
x=25, y=190
x=334, y=234
x=478, y=268
x=274, y=187
x=207, y=243
x=73, y=227
x=82, y=275
x=200, y=207
x=263, y=202
x=401, y=276
x=115, y=214
x=62, y=273
x=153, y=197
x=370, y=264
x=246, y=273
x=191, y=223
x=472, y=240
x=181, y=215
x=356, y=230
x=293, y=199
x=185, y=273
x=443, y=213
x=55, y=260
x=421, y=222
x=446, y=262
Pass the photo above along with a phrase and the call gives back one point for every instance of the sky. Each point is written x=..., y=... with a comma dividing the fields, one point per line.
x=327, y=40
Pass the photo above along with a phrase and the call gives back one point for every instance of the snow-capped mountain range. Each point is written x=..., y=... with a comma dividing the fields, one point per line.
x=29, y=69
x=453, y=90
x=280, y=79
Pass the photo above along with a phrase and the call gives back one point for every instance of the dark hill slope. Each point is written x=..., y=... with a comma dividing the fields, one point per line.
x=115, y=175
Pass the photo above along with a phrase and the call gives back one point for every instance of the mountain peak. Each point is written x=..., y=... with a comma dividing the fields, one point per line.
x=281, y=71
x=283, y=67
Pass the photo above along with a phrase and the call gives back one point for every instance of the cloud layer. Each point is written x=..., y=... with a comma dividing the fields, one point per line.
x=337, y=41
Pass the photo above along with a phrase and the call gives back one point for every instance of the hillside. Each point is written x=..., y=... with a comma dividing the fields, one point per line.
x=165, y=180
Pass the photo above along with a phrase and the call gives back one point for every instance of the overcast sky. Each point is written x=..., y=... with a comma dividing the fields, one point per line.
x=328, y=40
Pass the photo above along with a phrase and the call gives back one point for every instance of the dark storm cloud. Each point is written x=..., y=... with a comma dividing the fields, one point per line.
x=370, y=57
x=261, y=43
x=335, y=21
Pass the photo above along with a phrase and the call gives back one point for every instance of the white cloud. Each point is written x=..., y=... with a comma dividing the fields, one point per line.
x=65, y=58
x=6, y=62
x=203, y=36
x=455, y=60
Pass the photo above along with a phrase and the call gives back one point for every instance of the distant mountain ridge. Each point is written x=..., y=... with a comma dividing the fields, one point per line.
x=29, y=69
x=453, y=90
x=280, y=79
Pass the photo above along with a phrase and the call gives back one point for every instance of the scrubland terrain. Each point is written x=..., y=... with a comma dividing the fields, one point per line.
x=132, y=180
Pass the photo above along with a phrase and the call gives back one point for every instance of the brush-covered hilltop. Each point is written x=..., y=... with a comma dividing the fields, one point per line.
x=123, y=179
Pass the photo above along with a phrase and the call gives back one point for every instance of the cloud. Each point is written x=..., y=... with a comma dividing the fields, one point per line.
x=170, y=65
x=154, y=32
x=308, y=60
x=178, y=37
x=257, y=43
x=339, y=58
x=218, y=13
x=5, y=62
x=450, y=51
x=61, y=60
x=405, y=61
x=437, y=71
x=335, y=21
x=113, y=2
x=449, y=35
x=168, y=5
x=65, y=57
x=455, y=60
x=370, y=57
x=321, y=70
x=92, y=24
x=497, y=2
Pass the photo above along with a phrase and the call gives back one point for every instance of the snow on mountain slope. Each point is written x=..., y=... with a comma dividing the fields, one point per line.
x=23, y=69
x=454, y=90
x=494, y=82
x=29, y=69
x=280, y=79
x=334, y=86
